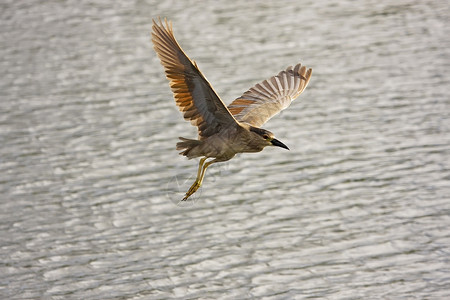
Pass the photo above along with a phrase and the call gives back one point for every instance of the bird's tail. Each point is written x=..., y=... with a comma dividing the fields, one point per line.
x=187, y=145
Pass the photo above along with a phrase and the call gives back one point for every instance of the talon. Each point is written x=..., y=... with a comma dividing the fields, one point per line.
x=194, y=187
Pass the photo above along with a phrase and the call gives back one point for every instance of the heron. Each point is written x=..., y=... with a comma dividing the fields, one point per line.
x=223, y=131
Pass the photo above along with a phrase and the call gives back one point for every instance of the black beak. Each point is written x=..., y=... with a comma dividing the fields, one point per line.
x=276, y=142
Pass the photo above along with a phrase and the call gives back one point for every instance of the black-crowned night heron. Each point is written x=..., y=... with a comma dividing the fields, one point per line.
x=223, y=131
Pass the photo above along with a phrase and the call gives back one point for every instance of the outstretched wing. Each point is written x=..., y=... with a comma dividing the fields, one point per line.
x=193, y=94
x=266, y=99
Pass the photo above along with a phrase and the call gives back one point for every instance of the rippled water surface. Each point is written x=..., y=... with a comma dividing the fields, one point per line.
x=90, y=181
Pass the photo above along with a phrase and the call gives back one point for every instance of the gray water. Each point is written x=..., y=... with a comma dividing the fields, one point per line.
x=90, y=181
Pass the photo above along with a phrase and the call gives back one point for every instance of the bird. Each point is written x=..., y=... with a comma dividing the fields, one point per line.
x=223, y=131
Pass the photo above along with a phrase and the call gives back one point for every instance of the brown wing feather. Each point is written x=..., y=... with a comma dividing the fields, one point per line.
x=193, y=94
x=266, y=99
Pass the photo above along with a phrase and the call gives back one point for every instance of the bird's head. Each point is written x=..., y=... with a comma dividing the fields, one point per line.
x=266, y=138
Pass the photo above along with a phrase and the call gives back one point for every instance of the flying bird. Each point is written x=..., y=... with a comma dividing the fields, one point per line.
x=223, y=131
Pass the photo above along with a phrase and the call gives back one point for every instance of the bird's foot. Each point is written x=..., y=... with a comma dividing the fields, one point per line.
x=194, y=187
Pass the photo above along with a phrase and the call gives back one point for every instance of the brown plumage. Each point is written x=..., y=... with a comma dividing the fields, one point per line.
x=193, y=94
x=223, y=131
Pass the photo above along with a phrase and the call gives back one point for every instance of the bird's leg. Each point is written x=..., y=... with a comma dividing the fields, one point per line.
x=200, y=175
x=200, y=165
x=194, y=186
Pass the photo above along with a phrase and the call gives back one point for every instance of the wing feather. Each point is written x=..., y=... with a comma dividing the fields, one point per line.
x=267, y=98
x=193, y=94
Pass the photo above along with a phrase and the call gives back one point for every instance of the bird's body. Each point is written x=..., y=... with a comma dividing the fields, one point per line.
x=223, y=131
x=223, y=145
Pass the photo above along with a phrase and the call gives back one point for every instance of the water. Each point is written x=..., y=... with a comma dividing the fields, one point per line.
x=91, y=182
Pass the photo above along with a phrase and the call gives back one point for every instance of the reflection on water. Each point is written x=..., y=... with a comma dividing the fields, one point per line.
x=89, y=174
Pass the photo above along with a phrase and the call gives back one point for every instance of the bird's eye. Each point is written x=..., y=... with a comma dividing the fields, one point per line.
x=265, y=136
